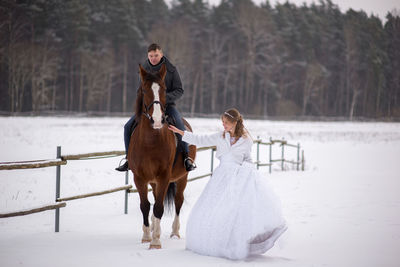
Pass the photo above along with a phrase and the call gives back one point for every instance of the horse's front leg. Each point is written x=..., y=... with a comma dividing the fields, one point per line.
x=154, y=187
x=144, y=207
x=180, y=187
x=158, y=211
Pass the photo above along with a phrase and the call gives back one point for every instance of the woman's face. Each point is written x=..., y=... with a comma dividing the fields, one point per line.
x=228, y=126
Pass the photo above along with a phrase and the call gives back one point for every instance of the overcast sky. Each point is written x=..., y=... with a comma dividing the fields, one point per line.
x=377, y=7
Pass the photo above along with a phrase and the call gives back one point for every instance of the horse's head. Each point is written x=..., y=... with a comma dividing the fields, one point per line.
x=152, y=96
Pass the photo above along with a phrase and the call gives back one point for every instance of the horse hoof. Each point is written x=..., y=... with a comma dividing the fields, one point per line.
x=155, y=246
x=146, y=240
x=175, y=235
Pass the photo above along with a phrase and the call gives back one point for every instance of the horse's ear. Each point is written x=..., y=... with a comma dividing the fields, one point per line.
x=163, y=71
x=142, y=72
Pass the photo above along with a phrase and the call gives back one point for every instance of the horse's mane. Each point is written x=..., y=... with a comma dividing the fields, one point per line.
x=139, y=103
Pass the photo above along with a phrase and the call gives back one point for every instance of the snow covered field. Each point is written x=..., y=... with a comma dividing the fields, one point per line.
x=343, y=210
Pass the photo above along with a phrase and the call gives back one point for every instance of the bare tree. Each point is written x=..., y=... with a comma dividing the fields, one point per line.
x=229, y=71
x=255, y=25
x=110, y=78
x=97, y=72
x=45, y=61
x=313, y=84
x=217, y=53
x=19, y=74
x=352, y=79
x=15, y=52
x=125, y=60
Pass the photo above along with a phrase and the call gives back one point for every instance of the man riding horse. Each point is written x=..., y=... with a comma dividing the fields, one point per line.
x=155, y=59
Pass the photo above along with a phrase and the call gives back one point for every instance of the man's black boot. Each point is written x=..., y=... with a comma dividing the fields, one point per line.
x=123, y=168
x=189, y=164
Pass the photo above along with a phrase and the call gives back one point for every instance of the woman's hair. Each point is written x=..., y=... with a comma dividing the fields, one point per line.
x=233, y=115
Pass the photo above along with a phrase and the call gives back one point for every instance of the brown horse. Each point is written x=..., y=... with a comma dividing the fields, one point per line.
x=151, y=156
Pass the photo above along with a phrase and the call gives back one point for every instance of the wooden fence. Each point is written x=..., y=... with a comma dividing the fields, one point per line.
x=282, y=160
x=62, y=160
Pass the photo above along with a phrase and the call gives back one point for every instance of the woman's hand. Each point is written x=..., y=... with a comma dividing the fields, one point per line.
x=176, y=130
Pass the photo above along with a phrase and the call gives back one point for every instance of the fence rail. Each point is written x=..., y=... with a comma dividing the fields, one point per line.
x=282, y=143
x=34, y=210
x=95, y=193
x=96, y=155
x=63, y=159
x=31, y=164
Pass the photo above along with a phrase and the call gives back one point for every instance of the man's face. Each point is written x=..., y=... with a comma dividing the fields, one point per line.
x=154, y=56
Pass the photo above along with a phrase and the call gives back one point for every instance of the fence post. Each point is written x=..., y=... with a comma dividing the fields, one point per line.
x=258, y=152
x=298, y=156
x=126, y=191
x=58, y=185
x=212, y=160
x=302, y=160
x=283, y=153
x=270, y=155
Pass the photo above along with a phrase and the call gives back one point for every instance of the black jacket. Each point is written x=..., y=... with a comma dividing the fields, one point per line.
x=172, y=79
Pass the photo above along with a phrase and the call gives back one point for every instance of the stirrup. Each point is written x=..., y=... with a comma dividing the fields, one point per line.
x=189, y=164
x=124, y=167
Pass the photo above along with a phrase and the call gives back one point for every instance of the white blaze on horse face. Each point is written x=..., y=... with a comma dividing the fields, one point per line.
x=157, y=114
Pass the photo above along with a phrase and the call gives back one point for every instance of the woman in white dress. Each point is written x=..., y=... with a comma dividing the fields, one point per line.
x=237, y=214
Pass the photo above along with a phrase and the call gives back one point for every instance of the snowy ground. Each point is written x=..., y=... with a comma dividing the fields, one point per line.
x=343, y=210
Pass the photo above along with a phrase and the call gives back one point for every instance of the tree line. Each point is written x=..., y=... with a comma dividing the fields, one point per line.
x=282, y=60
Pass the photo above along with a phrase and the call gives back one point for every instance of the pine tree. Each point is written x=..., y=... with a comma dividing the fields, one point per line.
x=391, y=99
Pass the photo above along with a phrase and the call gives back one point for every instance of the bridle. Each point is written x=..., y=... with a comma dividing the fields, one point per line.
x=147, y=108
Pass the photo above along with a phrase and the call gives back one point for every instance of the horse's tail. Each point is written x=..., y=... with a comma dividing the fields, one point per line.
x=170, y=197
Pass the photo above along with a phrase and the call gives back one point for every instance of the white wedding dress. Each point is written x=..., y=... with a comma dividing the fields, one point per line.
x=237, y=214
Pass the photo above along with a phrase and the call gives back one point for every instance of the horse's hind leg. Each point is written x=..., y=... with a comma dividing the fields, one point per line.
x=145, y=208
x=180, y=187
